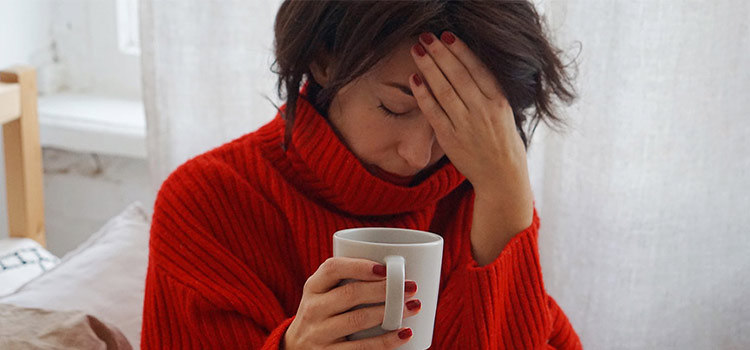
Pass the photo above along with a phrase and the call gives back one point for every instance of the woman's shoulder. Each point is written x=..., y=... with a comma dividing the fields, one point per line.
x=210, y=190
x=238, y=165
x=221, y=160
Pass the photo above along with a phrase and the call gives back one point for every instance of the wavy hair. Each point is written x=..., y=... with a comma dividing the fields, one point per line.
x=510, y=37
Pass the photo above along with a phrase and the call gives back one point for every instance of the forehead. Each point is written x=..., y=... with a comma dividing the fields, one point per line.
x=398, y=65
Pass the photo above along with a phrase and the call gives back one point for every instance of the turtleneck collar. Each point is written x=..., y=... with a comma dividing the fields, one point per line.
x=322, y=166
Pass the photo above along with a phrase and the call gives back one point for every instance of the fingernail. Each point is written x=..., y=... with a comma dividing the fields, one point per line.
x=406, y=333
x=410, y=286
x=426, y=37
x=417, y=80
x=419, y=49
x=448, y=38
x=413, y=304
x=379, y=270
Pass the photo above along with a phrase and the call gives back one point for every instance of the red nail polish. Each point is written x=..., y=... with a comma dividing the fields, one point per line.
x=419, y=49
x=406, y=333
x=448, y=38
x=413, y=304
x=417, y=80
x=410, y=286
x=426, y=37
x=379, y=270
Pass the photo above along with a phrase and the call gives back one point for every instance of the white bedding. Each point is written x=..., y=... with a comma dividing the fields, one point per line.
x=22, y=260
x=104, y=276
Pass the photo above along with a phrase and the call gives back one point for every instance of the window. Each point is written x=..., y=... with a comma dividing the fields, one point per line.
x=127, y=27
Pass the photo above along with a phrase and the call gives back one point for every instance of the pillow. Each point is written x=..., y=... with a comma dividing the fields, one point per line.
x=104, y=276
x=21, y=260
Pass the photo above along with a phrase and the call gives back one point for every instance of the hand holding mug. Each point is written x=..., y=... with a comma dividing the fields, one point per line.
x=408, y=255
x=327, y=313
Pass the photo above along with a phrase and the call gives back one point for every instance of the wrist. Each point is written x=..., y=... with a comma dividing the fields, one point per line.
x=494, y=224
x=286, y=340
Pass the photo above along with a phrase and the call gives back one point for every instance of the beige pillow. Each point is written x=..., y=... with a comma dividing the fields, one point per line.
x=103, y=277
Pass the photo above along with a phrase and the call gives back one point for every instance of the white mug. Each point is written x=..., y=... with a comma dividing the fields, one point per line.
x=408, y=255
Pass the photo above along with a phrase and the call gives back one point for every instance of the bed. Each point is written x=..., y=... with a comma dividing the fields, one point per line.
x=90, y=298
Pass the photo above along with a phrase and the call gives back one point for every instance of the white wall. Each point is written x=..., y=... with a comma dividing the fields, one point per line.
x=81, y=36
x=85, y=32
x=82, y=191
x=25, y=34
x=24, y=30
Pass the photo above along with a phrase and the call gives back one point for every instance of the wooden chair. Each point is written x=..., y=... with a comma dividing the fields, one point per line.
x=23, y=153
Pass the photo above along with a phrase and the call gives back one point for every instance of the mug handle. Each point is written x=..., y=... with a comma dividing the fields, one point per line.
x=394, y=292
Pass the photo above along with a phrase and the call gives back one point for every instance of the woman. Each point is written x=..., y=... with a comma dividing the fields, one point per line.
x=411, y=114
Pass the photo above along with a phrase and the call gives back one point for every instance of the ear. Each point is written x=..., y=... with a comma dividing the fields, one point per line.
x=321, y=70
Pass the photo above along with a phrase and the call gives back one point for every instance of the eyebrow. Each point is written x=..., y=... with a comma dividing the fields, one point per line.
x=405, y=89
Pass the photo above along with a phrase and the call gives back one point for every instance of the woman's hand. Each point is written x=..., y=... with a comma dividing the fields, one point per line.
x=474, y=124
x=325, y=318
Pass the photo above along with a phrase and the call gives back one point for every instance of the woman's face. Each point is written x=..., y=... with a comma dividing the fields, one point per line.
x=402, y=144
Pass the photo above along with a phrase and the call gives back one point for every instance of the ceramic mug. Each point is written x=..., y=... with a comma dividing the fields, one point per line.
x=408, y=255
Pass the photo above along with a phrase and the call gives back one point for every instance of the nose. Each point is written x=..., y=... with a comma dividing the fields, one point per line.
x=417, y=144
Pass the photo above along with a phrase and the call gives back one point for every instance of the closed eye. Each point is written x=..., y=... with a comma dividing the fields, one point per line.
x=389, y=112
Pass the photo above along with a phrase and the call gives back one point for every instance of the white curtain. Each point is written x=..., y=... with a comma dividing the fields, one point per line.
x=645, y=237
x=206, y=75
x=646, y=232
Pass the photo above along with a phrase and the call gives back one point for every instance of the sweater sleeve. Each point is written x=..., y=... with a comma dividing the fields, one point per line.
x=502, y=305
x=199, y=294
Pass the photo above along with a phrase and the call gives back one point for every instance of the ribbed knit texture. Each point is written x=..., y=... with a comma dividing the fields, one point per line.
x=237, y=231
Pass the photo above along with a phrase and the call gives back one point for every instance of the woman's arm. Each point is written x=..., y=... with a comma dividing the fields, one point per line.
x=495, y=297
x=180, y=316
x=502, y=304
x=474, y=124
x=498, y=217
x=199, y=294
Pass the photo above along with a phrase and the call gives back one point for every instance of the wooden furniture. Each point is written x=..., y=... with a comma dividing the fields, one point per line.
x=23, y=153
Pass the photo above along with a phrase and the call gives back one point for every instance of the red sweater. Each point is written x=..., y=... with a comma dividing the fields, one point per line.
x=237, y=231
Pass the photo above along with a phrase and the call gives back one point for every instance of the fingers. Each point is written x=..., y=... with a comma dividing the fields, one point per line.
x=333, y=270
x=441, y=88
x=360, y=319
x=436, y=116
x=347, y=296
x=390, y=340
x=480, y=74
x=327, y=315
x=456, y=73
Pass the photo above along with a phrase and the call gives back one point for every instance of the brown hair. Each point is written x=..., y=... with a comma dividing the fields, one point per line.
x=508, y=36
